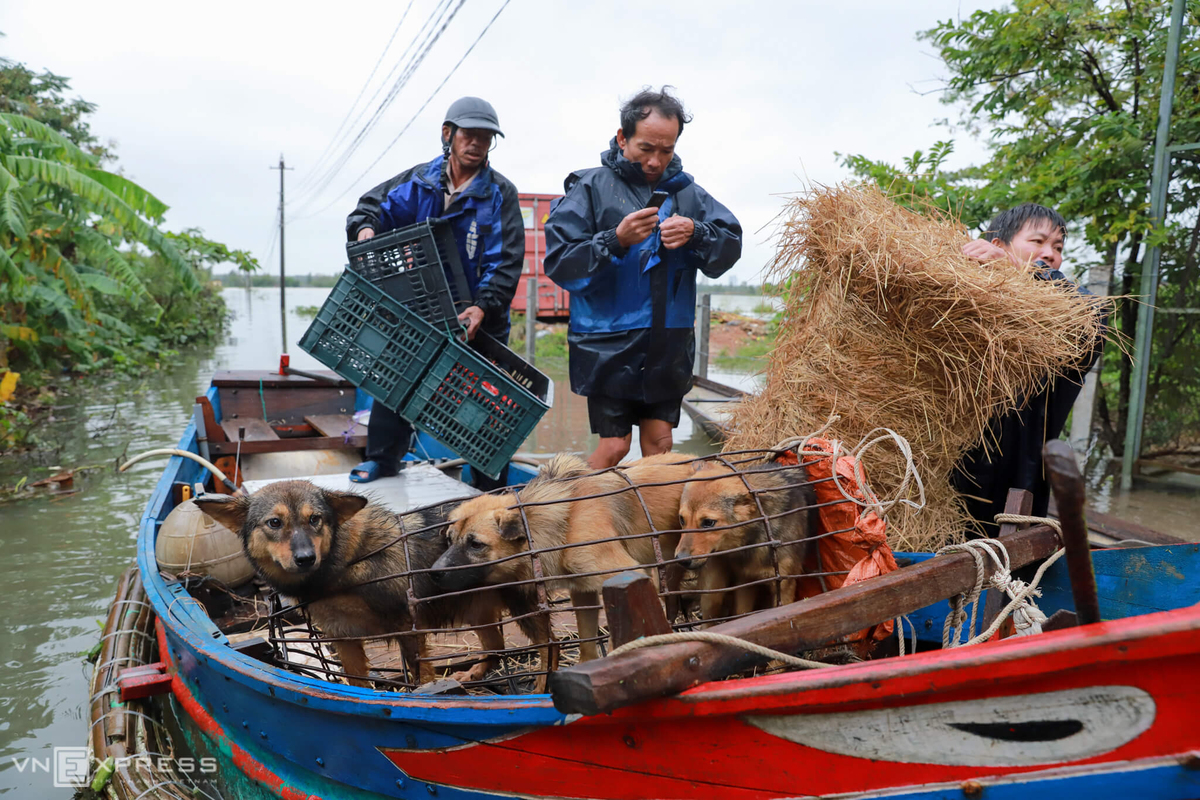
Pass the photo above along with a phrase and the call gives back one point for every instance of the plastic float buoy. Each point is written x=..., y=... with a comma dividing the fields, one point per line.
x=191, y=541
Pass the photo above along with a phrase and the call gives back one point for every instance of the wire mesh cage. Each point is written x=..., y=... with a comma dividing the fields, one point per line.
x=503, y=588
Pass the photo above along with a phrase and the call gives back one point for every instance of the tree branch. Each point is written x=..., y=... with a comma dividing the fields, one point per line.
x=1097, y=79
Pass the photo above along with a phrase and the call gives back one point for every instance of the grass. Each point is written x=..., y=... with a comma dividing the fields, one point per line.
x=307, y=311
x=551, y=344
x=764, y=308
x=750, y=356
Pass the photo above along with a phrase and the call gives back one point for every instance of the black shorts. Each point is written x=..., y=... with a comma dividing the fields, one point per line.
x=612, y=417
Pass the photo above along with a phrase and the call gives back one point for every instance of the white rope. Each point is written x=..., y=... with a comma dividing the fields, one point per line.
x=1027, y=617
x=716, y=638
x=869, y=501
x=899, y=623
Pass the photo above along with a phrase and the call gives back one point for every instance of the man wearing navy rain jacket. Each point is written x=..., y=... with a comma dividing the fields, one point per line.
x=631, y=271
x=481, y=205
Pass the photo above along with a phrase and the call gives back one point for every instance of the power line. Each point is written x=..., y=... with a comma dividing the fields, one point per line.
x=410, y=69
x=334, y=139
x=408, y=124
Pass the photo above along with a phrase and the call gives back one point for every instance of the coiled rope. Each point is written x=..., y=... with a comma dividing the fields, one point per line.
x=1027, y=617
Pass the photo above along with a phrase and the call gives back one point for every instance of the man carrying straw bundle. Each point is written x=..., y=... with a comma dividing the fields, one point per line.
x=1028, y=234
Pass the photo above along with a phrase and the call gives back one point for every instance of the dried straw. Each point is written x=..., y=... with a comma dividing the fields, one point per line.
x=887, y=324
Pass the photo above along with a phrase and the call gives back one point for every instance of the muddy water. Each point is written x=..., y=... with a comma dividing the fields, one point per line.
x=60, y=557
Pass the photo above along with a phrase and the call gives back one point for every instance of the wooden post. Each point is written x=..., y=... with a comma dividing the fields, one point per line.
x=703, y=325
x=1067, y=484
x=1019, y=501
x=531, y=309
x=606, y=684
x=632, y=608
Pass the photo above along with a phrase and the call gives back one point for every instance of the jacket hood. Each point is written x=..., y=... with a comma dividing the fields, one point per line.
x=673, y=179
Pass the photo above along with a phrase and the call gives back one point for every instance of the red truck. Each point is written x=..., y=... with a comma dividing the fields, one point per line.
x=553, y=303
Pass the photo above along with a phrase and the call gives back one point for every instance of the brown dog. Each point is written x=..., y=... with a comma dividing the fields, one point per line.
x=719, y=513
x=487, y=532
x=335, y=552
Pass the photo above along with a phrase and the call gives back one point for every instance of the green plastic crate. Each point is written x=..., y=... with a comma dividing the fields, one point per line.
x=372, y=340
x=475, y=401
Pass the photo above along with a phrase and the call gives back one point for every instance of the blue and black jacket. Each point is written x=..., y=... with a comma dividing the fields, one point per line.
x=486, y=219
x=633, y=310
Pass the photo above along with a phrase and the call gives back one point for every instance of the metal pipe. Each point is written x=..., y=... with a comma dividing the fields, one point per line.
x=1149, y=287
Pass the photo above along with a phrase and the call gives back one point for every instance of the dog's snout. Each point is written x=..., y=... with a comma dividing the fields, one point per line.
x=303, y=552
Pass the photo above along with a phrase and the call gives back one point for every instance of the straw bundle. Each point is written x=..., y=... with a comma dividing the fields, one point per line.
x=887, y=324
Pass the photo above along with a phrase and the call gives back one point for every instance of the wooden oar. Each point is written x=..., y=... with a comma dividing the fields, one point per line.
x=607, y=684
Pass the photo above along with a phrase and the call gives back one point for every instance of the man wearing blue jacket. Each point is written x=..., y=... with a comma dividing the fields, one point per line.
x=631, y=271
x=481, y=205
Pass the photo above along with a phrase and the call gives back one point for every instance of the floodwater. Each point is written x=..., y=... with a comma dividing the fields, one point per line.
x=61, y=556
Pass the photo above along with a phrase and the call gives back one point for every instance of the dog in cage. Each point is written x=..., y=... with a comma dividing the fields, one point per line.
x=723, y=514
x=347, y=561
x=585, y=527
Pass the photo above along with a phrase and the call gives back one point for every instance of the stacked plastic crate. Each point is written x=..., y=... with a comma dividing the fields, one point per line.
x=390, y=326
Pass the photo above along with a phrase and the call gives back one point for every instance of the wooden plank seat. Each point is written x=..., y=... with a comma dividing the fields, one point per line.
x=257, y=430
x=335, y=425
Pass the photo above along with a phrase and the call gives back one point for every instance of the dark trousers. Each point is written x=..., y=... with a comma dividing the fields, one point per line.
x=389, y=437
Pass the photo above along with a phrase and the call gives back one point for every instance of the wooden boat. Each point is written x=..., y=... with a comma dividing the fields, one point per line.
x=1102, y=710
x=710, y=404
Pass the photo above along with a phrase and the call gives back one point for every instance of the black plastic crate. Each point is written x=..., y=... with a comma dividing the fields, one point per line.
x=372, y=340
x=411, y=265
x=481, y=401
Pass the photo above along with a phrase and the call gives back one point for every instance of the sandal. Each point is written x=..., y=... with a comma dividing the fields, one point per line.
x=368, y=471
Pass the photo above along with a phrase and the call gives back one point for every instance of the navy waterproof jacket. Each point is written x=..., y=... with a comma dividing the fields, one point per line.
x=632, y=310
x=486, y=219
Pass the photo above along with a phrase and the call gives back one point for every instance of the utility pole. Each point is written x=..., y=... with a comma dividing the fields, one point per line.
x=1160, y=178
x=282, y=290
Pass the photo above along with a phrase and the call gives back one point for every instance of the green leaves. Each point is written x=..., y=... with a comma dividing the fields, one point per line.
x=130, y=193
x=41, y=132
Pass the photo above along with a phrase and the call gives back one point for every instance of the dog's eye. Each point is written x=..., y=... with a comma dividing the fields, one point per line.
x=708, y=523
x=275, y=523
x=475, y=544
x=314, y=520
x=682, y=522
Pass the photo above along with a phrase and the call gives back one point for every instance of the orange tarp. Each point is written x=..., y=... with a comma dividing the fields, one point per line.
x=860, y=544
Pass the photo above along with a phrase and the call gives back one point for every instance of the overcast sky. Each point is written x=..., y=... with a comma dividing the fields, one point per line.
x=202, y=98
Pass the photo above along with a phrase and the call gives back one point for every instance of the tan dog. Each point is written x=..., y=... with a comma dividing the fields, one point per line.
x=484, y=531
x=334, y=552
x=710, y=510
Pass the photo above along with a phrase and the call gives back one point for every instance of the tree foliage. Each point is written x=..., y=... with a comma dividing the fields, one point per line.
x=86, y=272
x=1065, y=94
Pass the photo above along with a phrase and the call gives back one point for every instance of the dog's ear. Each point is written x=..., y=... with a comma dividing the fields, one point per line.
x=229, y=510
x=345, y=505
x=508, y=521
x=700, y=464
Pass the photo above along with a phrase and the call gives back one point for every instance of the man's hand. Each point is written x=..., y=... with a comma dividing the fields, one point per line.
x=364, y=234
x=637, y=226
x=676, y=232
x=473, y=316
x=984, y=251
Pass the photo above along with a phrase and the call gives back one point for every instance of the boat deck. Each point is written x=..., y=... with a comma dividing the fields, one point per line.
x=416, y=486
